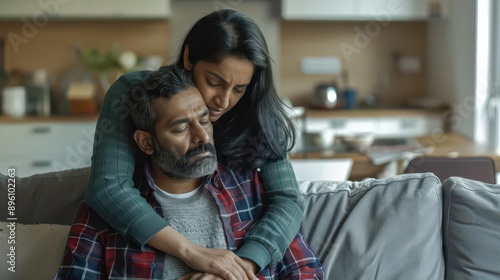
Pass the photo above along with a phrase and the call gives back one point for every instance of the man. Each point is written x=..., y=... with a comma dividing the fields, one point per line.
x=207, y=203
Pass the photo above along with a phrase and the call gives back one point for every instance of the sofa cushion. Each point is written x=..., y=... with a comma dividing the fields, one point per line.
x=471, y=229
x=42, y=191
x=38, y=250
x=377, y=228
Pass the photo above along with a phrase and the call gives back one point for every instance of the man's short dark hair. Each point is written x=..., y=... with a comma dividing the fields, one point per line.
x=164, y=82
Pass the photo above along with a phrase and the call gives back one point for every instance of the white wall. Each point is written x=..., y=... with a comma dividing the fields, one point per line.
x=265, y=13
x=451, y=62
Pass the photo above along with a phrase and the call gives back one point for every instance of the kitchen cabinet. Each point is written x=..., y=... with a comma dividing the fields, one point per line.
x=319, y=9
x=45, y=146
x=379, y=10
x=380, y=123
x=395, y=9
x=442, y=145
x=39, y=12
x=408, y=126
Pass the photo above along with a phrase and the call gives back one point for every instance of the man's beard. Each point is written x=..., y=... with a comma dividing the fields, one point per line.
x=180, y=167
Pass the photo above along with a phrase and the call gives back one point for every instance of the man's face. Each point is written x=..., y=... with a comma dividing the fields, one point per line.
x=183, y=144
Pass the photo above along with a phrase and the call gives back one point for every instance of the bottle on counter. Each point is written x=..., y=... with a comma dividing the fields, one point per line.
x=39, y=94
x=78, y=87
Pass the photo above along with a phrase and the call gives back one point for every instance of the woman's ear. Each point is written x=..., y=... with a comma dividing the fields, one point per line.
x=185, y=58
x=144, y=141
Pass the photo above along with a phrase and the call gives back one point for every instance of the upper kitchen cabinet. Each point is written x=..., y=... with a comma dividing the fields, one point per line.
x=84, y=9
x=318, y=9
x=382, y=10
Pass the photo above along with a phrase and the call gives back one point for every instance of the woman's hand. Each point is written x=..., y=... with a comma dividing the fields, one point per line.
x=223, y=263
x=200, y=276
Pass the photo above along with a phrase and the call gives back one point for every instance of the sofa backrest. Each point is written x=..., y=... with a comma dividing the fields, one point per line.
x=377, y=222
x=471, y=229
x=372, y=229
x=45, y=205
x=49, y=198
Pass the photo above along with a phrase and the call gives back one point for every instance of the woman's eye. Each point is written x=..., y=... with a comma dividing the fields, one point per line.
x=237, y=90
x=212, y=84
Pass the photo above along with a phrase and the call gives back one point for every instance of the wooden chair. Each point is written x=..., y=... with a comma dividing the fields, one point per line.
x=475, y=168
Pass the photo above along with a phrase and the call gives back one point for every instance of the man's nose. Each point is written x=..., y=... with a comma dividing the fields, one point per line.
x=199, y=135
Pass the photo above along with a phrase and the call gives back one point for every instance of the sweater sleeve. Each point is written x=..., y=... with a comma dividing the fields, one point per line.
x=267, y=242
x=110, y=191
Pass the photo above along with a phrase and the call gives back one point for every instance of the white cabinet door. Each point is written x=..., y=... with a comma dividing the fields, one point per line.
x=39, y=12
x=29, y=165
x=408, y=126
x=318, y=9
x=387, y=10
x=341, y=126
x=380, y=127
x=359, y=126
x=378, y=10
x=46, y=146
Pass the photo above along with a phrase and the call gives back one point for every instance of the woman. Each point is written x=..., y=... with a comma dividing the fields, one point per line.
x=229, y=60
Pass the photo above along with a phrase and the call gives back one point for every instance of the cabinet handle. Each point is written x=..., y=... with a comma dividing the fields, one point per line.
x=41, y=129
x=41, y=163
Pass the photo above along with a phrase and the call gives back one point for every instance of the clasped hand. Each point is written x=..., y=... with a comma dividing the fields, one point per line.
x=218, y=264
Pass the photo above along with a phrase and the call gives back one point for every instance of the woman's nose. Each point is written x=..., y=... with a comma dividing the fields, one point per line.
x=222, y=98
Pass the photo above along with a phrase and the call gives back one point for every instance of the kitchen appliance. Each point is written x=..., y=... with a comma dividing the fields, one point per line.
x=326, y=96
x=320, y=140
x=360, y=141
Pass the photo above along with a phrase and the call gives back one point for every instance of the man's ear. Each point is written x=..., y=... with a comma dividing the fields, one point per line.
x=144, y=141
x=185, y=59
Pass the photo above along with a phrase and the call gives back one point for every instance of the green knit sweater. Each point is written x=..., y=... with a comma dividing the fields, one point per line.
x=112, y=194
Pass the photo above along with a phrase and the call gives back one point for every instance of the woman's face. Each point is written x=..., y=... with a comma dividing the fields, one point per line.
x=222, y=84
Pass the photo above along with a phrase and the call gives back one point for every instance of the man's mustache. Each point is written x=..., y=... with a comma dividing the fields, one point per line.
x=201, y=149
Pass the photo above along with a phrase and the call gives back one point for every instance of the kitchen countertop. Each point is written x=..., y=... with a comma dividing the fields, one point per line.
x=53, y=118
x=309, y=113
x=381, y=112
x=444, y=144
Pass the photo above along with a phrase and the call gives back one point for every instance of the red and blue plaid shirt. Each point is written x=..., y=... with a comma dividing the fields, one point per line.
x=95, y=251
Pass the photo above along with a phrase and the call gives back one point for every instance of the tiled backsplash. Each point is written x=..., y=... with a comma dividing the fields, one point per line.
x=51, y=47
x=367, y=53
x=371, y=64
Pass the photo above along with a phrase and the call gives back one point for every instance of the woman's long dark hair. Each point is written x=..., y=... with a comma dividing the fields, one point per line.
x=257, y=129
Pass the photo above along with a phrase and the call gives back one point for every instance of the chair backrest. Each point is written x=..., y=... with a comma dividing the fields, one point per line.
x=475, y=168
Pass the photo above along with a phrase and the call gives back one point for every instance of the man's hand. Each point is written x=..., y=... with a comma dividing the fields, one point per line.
x=252, y=265
x=220, y=262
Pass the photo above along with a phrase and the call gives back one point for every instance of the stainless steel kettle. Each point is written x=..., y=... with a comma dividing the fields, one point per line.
x=326, y=96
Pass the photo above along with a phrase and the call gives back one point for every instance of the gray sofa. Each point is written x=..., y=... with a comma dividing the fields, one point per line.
x=406, y=227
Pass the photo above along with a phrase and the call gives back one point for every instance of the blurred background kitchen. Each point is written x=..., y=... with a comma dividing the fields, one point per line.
x=370, y=83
